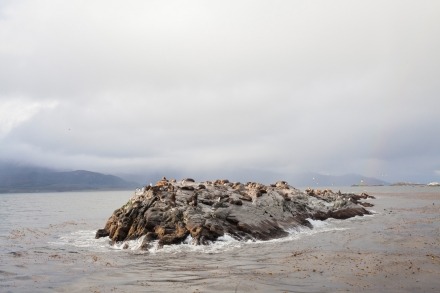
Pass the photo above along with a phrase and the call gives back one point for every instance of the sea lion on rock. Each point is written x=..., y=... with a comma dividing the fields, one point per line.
x=187, y=180
x=192, y=200
x=282, y=184
x=173, y=199
x=237, y=202
x=162, y=182
x=238, y=186
x=221, y=181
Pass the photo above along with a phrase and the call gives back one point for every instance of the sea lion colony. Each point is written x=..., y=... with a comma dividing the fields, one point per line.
x=170, y=211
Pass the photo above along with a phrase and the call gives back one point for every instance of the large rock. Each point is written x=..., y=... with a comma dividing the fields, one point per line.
x=170, y=211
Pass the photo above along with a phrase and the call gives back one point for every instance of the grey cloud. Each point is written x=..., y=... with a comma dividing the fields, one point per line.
x=278, y=87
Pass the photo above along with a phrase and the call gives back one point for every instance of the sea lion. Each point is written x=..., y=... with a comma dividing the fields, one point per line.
x=173, y=199
x=192, y=200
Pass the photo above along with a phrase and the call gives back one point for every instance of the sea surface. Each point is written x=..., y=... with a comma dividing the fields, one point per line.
x=47, y=244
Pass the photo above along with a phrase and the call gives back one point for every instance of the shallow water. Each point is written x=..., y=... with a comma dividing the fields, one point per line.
x=47, y=244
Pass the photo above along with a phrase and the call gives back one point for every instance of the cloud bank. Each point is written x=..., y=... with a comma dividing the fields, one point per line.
x=222, y=89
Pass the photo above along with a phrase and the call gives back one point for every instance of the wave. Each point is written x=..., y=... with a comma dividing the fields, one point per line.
x=82, y=239
x=85, y=239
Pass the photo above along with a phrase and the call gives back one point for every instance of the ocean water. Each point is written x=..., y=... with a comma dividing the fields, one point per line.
x=47, y=244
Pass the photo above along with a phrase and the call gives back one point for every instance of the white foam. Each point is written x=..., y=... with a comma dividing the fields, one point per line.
x=128, y=245
x=298, y=232
x=224, y=243
x=86, y=239
x=317, y=224
x=82, y=239
x=227, y=242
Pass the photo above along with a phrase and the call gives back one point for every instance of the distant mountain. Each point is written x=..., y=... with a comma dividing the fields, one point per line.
x=19, y=178
x=316, y=180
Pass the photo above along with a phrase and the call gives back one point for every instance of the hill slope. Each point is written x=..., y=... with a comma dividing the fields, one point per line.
x=17, y=178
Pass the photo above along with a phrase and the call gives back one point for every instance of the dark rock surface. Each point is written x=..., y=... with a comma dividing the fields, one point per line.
x=170, y=211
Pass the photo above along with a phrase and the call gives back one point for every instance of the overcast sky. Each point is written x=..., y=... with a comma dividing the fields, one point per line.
x=223, y=88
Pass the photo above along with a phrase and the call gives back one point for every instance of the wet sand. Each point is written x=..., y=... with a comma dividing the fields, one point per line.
x=397, y=250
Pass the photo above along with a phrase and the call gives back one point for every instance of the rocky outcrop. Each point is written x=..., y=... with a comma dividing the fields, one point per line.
x=170, y=211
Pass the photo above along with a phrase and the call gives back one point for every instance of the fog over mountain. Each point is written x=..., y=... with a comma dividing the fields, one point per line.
x=19, y=178
x=259, y=90
x=25, y=178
